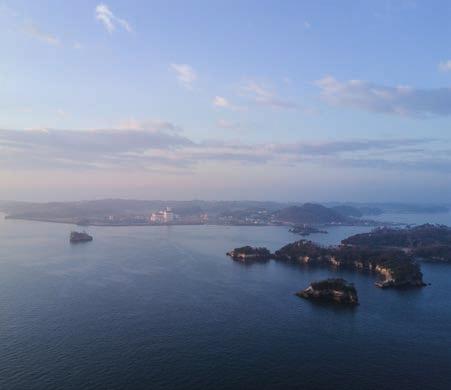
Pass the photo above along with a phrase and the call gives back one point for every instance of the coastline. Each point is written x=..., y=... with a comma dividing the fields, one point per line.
x=69, y=222
x=365, y=223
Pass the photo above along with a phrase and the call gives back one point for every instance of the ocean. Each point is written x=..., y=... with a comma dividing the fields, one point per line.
x=163, y=307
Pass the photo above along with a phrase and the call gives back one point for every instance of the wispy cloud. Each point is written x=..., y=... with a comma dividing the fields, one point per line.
x=45, y=37
x=77, y=45
x=398, y=100
x=222, y=102
x=264, y=96
x=153, y=125
x=109, y=20
x=159, y=145
x=228, y=125
x=99, y=148
x=445, y=66
x=185, y=73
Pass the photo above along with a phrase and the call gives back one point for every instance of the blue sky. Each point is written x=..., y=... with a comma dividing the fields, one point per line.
x=292, y=100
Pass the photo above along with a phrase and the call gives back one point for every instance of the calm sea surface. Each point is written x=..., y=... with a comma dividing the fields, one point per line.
x=163, y=307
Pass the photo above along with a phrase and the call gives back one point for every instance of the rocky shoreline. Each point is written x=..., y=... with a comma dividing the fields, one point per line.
x=396, y=269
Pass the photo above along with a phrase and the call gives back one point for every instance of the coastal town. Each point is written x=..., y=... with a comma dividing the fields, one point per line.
x=302, y=219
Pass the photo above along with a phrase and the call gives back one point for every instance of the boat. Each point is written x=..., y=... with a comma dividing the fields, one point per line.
x=76, y=237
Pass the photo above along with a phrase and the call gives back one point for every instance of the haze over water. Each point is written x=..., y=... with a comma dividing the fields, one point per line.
x=154, y=307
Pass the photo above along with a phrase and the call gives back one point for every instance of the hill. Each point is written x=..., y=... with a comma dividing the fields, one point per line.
x=348, y=211
x=309, y=213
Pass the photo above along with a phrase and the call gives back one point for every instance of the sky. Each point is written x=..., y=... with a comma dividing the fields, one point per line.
x=262, y=100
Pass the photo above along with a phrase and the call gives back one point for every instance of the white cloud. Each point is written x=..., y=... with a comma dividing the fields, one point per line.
x=159, y=147
x=109, y=20
x=220, y=101
x=398, y=100
x=47, y=38
x=153, y=125
x=307, y=25
x=445, y=66
x=263, y=96
x=185, y=73
x=61, y=113
x=77, y=45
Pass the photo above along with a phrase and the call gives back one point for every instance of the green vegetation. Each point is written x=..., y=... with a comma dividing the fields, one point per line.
x=333, y=284
x=306, y=230
x=395, y=266
x=331, y=290
x=430, y=242
x=414, y=237
x=249, y=250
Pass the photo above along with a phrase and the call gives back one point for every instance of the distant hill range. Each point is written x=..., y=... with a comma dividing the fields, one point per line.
x=390, y=208
x=310, y=213
x=294, y=213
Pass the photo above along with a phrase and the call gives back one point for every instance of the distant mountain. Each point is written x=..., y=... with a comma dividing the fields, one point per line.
x=368, y=210
x=378, y=208
x=125, y=207
x=348, y=211
x=309, y=213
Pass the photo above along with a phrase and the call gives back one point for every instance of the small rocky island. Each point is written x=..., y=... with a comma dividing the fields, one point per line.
x=306, y=230
x=247, y=254
x=331, y=290
x=77, y=237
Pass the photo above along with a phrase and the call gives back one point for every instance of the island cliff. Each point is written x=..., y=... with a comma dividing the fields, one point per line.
x=395, y=267
x=331, y=290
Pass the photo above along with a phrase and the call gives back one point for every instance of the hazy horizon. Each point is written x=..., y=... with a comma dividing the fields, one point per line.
x=282, y=202
x=300, y=101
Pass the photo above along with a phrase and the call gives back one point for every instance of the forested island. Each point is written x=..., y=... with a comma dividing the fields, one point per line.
x=427, y=242
x=392, y=253
x=331, y=290
x=306, y=230
x=395, y=267
x=248, y=254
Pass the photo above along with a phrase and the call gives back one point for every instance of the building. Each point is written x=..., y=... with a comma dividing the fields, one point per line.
x=168, y=215
x=164, y=216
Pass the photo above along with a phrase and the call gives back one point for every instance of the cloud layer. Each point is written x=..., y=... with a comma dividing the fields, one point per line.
x=399, y=100
x=159, y=145
x=261, y=95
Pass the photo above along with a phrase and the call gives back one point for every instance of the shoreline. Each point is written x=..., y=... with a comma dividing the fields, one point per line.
x=70, y=222
x=99, y=224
